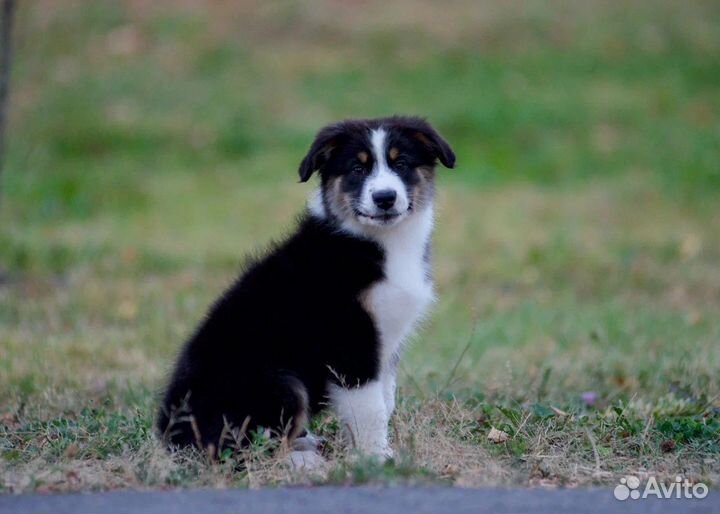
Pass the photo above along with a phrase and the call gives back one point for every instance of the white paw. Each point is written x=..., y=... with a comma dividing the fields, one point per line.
x=308, y=442
x=306, y=461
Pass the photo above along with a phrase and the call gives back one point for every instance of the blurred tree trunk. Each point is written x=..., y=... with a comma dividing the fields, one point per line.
x=6, y=25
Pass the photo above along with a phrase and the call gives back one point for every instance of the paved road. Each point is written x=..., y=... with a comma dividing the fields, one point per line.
x=346, y=500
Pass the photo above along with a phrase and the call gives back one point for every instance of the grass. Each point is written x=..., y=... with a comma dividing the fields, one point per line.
x=576, y=253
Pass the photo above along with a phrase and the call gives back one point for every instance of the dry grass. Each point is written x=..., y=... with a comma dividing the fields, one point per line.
x=83, y=357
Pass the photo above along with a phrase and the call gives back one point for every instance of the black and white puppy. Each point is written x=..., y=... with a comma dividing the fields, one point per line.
x=321, y=319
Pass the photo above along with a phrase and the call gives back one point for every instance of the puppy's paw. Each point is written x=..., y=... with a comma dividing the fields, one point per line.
x=308, y=442
x=387, y=454
x=306, y=461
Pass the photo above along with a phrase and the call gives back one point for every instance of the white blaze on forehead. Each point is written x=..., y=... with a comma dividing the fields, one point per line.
x=378, y=138
x=382, y=177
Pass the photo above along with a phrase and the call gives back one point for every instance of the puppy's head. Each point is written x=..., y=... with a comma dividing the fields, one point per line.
x=376, y=172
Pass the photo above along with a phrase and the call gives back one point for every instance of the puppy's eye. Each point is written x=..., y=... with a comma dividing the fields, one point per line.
x=400, y=165
x=358, y=169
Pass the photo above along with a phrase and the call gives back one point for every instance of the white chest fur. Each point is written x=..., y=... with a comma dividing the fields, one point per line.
x=400, y=300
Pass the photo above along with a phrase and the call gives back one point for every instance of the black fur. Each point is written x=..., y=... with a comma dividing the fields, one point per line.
x=262, y=339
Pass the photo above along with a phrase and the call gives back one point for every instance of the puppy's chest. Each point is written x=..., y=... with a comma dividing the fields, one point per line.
x=400, y=299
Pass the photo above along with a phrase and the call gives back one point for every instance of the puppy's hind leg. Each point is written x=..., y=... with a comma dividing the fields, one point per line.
x=304, y=454
x=292, y=398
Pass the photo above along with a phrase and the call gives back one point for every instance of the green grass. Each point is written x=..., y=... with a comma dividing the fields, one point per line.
x=577, y=246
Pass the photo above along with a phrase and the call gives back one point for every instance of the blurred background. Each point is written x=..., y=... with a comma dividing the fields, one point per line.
x=152, y=143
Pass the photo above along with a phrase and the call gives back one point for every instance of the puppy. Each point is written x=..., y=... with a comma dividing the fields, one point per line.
x=321, y=319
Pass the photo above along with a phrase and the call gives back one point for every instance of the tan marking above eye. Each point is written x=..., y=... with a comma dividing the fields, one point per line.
x=362, y=157
x=393, y=153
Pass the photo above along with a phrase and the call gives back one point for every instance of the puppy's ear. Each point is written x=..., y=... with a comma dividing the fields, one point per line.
x=439, y=147
x=325, y=142
x=428, y=136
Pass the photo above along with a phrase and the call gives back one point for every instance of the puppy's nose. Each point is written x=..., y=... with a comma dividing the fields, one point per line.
x=384, y=199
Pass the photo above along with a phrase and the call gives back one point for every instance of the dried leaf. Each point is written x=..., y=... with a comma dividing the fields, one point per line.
x=497, y=436
x=72, y=450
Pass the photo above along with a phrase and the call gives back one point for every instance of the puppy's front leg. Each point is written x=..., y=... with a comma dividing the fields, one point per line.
x=389, y=384
x=362, y=411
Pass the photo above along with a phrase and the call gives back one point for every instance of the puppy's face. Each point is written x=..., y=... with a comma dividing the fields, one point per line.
x=376, y=172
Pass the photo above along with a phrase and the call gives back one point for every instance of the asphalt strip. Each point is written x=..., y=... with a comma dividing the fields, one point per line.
x=351, y=500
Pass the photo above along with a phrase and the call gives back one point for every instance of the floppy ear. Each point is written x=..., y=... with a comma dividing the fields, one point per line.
x=325, y=142
x=431, y=139
x=428, y=136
